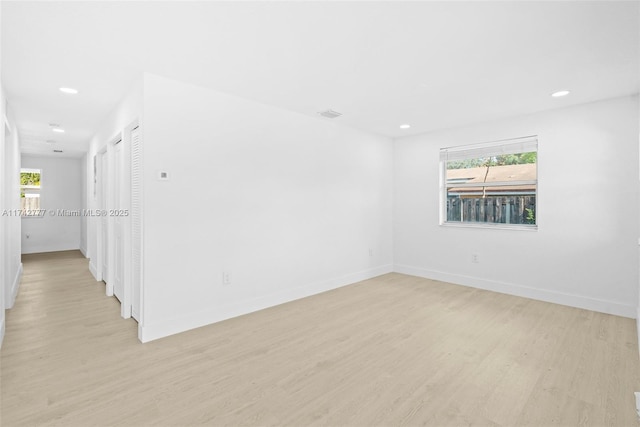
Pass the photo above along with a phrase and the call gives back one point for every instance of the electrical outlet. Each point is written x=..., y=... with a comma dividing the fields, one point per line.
x=474, y=258
x=226, y=277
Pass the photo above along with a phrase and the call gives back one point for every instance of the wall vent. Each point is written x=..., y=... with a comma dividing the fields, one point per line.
x=330, y=114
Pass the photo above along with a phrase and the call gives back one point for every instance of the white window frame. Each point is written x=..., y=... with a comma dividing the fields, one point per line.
x=495, y=148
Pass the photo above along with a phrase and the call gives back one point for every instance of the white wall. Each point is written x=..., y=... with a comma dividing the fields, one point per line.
x=10, y=264
x=61, y=189
x=585, y=251
x=289, y=205
x=13, y=266
x=3, y=163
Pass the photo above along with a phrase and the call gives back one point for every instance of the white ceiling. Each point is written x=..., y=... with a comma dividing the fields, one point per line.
x=381, y=64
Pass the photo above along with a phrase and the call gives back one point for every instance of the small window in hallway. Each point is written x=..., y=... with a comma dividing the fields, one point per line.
x=30, y=192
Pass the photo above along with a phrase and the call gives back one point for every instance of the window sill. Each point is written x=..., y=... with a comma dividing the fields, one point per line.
x=489, y=226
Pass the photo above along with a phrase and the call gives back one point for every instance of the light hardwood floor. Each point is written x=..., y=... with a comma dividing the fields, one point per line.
x=394, y=350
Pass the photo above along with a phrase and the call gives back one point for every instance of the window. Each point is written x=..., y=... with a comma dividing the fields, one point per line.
x=30, y=192
x=490, y=184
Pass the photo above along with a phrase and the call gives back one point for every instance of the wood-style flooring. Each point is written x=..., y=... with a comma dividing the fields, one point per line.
x=394, y=350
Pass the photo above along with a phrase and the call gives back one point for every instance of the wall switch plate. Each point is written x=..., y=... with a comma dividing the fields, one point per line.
x=226, y=277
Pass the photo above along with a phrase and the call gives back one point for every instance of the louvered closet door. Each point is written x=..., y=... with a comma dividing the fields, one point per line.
x=118, y=222
x=136, y=221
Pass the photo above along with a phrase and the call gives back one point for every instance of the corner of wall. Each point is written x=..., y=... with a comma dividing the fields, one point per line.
x=93, y=269
x=169, y=327
x=15, y=287
x=552, y=296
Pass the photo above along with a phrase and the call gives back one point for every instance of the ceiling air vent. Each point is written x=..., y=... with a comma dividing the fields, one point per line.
x=330, y=114
x=57, y=151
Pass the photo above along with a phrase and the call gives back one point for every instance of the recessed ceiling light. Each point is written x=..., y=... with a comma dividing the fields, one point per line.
x=560, y=93
x=405, y=126
x=69, y=90
x=59, y=130
x=330, y=114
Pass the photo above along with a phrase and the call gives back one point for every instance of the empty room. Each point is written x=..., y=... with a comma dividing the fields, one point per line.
x=341, y=213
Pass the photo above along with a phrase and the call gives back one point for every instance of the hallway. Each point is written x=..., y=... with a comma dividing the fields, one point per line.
x=61, y=334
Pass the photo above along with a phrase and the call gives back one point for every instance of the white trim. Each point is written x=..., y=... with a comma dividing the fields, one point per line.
x=40, y=249
x=562, y=298
x=491, y=226
x=31, y=170
x=525, y=144
x=151, y=332
x=487, y=184
x=14, y=288
x=1, y=331
x=83, y=250
x=638, y=327
x=101, y=204
x=114, y=179
x=135, y=314
x=94, y=270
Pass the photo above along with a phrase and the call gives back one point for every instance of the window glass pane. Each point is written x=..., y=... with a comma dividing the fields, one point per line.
x=30, y=204
x=30, y=178
x=493, y=189
x=493, y=209
x=30, y=191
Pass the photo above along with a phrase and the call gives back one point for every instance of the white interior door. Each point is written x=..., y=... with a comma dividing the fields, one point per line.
x=118, y=207
x=136, y=221
x=5, y=203
x=104, y=219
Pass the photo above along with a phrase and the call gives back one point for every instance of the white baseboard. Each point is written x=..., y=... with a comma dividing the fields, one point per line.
x=15, y=286
x=83, y=250
x=562, y=298
x=638, y=327
x=135, y=315
x=168, y=327
x=93, y=269
x=1, y=331
x=40, y=249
